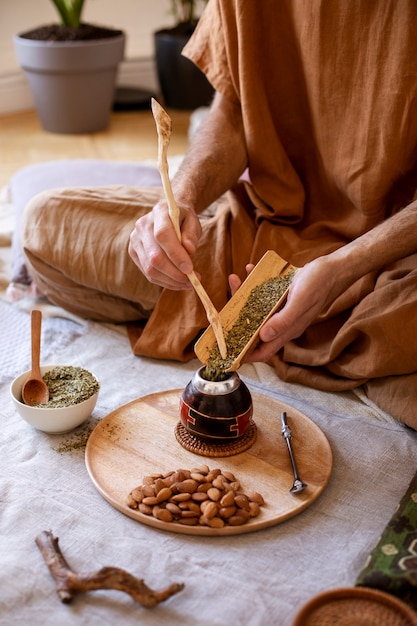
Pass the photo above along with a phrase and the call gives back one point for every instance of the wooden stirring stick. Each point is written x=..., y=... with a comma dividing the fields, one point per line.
x=163, y=126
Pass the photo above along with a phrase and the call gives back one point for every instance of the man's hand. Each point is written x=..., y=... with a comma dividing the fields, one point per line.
x=155, y=249
x=311, y=291
x=212, y=164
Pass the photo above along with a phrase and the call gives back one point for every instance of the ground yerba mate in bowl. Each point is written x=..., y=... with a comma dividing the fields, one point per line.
x=73, y=396
x=69, y=385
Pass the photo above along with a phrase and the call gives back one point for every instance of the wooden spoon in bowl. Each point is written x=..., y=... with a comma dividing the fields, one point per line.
x=35, y=391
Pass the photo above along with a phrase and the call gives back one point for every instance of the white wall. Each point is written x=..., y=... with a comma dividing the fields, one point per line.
x=138, y=18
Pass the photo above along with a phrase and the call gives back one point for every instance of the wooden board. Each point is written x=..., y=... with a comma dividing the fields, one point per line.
x=138, y=439
x=271, y=265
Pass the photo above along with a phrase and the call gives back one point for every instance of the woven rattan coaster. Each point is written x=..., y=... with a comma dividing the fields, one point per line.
x=193, y=444
x=355, y=606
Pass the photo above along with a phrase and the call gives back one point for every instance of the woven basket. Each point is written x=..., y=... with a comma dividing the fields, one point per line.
x=355, y=606
x=205, y=448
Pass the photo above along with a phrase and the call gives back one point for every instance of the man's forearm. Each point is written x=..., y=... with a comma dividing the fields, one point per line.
x=215, y=160
x=388, y=242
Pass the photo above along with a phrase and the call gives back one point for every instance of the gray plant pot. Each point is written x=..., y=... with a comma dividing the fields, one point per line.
x=72, y=82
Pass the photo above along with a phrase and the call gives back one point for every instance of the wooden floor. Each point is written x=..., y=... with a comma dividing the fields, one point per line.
x=131, y=136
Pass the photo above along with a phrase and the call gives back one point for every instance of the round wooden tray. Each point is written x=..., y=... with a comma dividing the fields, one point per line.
x=138, y=439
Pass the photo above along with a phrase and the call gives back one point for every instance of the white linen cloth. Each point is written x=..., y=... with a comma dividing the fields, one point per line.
x=255, y=579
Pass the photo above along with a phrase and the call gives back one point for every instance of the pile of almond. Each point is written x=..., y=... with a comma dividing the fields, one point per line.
x=200, y=496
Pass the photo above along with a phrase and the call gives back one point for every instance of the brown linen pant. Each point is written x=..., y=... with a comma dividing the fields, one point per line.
x=76, y=245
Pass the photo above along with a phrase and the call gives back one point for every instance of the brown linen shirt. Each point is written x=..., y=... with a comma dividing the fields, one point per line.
x=328, y=93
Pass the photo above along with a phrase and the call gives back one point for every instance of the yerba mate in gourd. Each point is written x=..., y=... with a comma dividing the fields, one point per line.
x=216, y=411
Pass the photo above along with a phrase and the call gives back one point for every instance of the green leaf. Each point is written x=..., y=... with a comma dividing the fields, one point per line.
x=70, y=11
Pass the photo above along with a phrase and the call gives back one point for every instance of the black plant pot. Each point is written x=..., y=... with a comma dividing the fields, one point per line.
x=182, y=84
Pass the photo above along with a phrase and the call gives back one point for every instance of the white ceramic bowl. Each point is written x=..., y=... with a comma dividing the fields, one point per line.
x=55, y=421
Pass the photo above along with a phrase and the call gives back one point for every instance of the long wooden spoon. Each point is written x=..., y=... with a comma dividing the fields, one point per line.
x=163, y=126
x=35, y=391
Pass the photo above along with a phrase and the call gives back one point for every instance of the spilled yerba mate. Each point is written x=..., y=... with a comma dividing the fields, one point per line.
x=77, y=441
x=259, y=304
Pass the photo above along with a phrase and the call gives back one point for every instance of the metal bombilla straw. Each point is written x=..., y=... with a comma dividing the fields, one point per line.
x=298, y=484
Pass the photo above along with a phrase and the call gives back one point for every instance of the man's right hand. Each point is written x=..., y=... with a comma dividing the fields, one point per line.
x=154, y=247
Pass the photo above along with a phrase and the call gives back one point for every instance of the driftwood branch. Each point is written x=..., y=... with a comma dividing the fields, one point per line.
x=69, y=583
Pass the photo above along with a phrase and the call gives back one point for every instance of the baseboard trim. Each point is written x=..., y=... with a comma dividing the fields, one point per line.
x=140, y=73
x=15, y=94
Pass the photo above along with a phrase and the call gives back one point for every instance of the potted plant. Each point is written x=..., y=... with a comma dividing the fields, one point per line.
x=182, y=84
x=71, y=68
